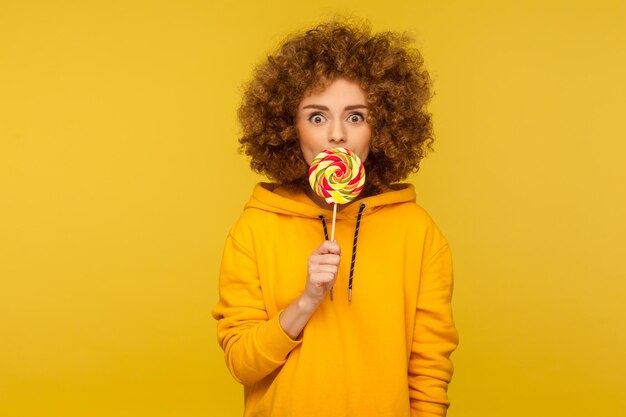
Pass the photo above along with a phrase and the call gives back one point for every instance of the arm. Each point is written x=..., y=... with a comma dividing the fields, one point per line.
x=321, y=276
x=434, y=339
x=254, y=344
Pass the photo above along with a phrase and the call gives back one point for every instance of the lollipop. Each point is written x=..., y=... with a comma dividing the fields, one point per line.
x=338, y=176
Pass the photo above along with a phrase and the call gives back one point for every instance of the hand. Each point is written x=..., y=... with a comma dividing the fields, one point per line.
x=322, y=273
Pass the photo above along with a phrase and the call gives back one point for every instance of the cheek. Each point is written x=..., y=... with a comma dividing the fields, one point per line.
x=308, y=141
x=305, y=147
x=363, y=155
x=306, y=153
x=366, y=144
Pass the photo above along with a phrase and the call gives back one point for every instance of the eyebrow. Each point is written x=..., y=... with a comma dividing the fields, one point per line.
x=320, y=107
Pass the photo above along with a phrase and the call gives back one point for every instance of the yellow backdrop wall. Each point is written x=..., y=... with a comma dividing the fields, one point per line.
x=119, y=178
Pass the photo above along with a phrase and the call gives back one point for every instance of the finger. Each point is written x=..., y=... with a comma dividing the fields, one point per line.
x=332, y=269
x=327, y=259
x=322, y=278
x=328, y=247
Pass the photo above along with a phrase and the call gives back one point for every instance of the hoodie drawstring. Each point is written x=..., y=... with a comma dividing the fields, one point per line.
x=321, y=217
x=354, y=241
x=362, y=207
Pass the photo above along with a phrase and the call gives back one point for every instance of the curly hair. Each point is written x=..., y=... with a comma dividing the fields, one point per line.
x=391, y=74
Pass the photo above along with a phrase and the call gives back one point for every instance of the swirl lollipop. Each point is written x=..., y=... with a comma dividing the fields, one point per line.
x=338, y=176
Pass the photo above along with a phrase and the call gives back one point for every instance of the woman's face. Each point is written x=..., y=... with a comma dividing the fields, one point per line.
x=335, y=116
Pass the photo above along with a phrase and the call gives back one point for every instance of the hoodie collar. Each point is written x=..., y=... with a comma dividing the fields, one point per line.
x=287, y=200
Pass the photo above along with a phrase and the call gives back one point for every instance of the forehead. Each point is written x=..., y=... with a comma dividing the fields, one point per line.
x=339, y=90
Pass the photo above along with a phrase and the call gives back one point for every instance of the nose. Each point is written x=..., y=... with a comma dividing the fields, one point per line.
x=337, y=132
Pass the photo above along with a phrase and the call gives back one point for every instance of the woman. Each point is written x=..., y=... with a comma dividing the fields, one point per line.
x=382, y=345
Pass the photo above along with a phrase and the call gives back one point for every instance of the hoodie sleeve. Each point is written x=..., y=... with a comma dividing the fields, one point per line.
x=434, y=338
x=254, y=343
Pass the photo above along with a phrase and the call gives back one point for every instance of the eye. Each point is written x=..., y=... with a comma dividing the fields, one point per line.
x=317, y=118
x=356, y=117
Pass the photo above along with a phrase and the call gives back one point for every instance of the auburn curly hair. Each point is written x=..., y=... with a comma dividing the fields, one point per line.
x=390, y=72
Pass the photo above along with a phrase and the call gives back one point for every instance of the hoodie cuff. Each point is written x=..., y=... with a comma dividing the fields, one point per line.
x=273, y=340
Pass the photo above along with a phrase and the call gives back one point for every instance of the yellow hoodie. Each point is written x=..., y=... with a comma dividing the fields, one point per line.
x=384, y=353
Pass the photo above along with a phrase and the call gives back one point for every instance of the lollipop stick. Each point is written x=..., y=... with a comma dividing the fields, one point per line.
x=332, y=238
x=332, y=232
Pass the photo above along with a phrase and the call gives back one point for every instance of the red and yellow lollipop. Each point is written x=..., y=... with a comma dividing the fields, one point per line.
x=338, y=176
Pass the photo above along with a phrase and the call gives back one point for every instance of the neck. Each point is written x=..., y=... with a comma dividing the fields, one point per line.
x=321, y=202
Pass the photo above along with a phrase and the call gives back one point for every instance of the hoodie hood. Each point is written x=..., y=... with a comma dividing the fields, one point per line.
x=285, y=200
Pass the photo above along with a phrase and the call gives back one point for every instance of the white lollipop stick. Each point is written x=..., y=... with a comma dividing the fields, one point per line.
x=332, y=238
x=332, y=230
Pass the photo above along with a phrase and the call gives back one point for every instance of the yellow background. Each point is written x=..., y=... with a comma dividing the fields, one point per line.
x=119, y=178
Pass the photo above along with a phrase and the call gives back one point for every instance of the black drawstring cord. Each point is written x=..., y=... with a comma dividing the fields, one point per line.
x=354, y=242
x=356, y=238
x=321, y=217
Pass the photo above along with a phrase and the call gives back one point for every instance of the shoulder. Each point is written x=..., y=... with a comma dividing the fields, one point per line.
x=408, y=222
x=415, y=216
x=398, y=205
x=251, y=222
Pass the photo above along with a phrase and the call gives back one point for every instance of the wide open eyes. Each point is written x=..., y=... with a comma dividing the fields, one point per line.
x=317, y=118
x=356, y=117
